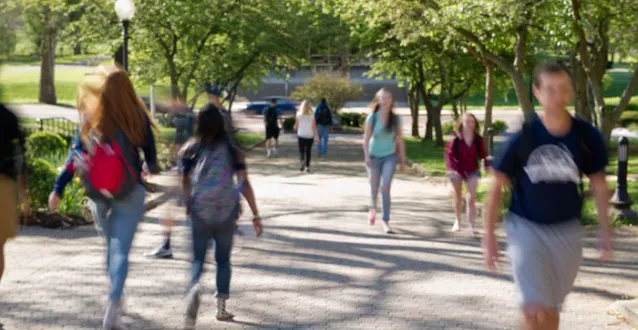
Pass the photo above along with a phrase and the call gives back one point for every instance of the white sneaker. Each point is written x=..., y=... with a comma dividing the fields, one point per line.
x=456, y=226
x=222, y=313
x=113, y=317
x=268, y=153
x=160, y=253
x=193, y=299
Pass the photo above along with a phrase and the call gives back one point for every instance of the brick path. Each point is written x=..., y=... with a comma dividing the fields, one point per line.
x=319, y=264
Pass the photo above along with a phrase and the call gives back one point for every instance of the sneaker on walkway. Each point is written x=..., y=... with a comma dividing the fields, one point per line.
x=113, y=317
x=222, y=313
x=161, y=253
x=307, y=169
x=268, y=154
x=193, y=299
x=302, y=167
x=386, y=228
x=456, y=226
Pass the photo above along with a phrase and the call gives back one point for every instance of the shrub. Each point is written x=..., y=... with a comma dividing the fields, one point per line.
x=448, y=127
x=499, y=127
x=336, y=89
x=73, y=201
x=41, y=143
x=289, y=123
x=628, y=118
x=351, y=119
x=41, y=179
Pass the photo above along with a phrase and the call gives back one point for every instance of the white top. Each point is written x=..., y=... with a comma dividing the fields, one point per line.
x=304, y=129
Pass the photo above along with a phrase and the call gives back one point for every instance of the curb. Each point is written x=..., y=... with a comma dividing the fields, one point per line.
x=626, y=310
x=250, y=148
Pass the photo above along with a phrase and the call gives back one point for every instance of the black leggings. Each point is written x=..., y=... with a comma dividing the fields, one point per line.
x=305, y=150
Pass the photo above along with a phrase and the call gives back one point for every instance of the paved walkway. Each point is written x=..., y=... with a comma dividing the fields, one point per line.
x=318, y=265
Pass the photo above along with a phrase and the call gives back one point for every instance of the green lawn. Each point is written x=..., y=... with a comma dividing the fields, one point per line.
x=23, y=86
x=427, y=154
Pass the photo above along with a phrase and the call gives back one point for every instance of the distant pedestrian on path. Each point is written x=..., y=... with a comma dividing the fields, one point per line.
x=543, y=165
x=13, y=179
x=214, y=103
x=306, y=128
x=462, y=157
x=210, y=164
x=115, y=125
x=272, y=120
x=323, y=116
x=184, y=125
x=383, y=139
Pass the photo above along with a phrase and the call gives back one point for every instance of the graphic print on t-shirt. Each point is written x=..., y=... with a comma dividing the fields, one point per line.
x=550, y=163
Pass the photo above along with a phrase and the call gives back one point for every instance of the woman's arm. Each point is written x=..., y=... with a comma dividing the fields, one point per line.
x=150, y=151
x=296, y=122
x=248, y=192
x=314, y=128
x=366, y=141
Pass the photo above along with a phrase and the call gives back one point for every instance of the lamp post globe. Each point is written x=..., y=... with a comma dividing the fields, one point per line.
x=125, y=10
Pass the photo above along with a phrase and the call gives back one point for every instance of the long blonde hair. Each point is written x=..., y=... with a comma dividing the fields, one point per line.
x=304, y=108
x=107, y=102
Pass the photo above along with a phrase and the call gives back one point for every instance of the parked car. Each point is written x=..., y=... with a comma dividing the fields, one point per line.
x=283, y=104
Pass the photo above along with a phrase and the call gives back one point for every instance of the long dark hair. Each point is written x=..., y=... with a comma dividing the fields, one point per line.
x=392, y=119
x=210, y=127
x=211, y=130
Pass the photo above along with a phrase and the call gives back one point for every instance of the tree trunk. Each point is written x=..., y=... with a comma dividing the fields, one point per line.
x=607, y=124
x=414, y=109
x=436, y=123
x=77, y=49
x=455, y=109
x=489, y=95
x=428, y=126
x=580, y=89
x=466, y=100
x=47, y=56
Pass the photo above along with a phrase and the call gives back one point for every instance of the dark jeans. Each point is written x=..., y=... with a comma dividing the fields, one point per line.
x=223, y=245
x=305, y=150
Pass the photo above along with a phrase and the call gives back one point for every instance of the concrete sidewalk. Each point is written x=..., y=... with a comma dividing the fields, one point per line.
x=319, y=265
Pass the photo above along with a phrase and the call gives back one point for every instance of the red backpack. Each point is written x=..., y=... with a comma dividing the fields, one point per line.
x=107, y=170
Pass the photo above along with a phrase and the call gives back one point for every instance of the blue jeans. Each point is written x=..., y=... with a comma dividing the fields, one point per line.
x=117, y=220
x=324, y=134
x=381, y=172
x=223, y=239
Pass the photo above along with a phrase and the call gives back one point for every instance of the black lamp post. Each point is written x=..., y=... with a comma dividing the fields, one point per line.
x=125, y=10
x=621, y=199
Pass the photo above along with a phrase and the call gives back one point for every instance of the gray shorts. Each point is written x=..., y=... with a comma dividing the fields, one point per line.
x=545, y=259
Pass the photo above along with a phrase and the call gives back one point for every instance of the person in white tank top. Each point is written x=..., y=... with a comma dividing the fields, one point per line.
x=306, y=128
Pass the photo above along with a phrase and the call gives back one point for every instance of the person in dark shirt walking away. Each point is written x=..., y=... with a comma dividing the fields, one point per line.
x=462, y=157
x=272, y=119
x=323, y=116
x=113, y=120
x=209, y=166
x=543, y=165
x=13, y=179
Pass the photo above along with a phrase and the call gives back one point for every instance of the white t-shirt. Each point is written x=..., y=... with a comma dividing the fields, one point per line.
x=304, y=129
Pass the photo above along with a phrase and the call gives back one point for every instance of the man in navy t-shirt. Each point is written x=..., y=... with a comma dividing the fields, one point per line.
x=542, y=165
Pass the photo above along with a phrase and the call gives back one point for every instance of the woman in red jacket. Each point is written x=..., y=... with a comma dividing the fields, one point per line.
x=462, y=157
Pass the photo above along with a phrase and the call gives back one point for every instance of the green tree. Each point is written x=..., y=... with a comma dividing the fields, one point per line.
x=336, y=89
x=598, y=24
